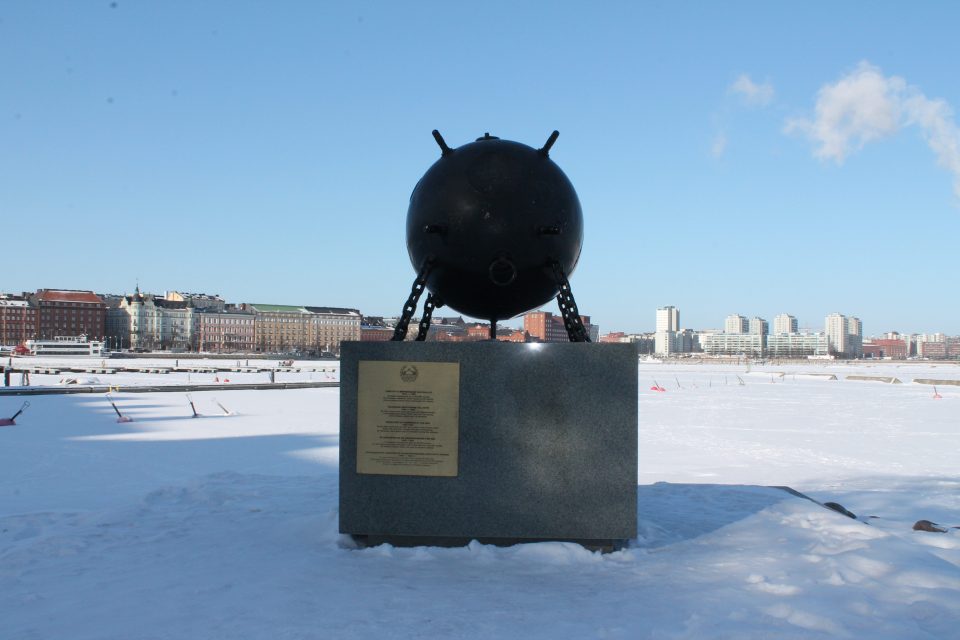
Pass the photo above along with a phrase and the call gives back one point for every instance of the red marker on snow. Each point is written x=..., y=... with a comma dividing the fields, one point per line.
x=120, y=416
x=12, y=420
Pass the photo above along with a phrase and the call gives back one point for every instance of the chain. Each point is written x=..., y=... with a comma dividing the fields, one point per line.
x=400, y=331
x=568, y=307
x=433, y=302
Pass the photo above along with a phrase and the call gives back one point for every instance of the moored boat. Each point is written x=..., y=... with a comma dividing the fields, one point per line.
x=71, y=346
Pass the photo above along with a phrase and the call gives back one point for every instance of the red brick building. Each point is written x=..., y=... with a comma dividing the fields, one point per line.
x=369, y=333
x=948, y=348
x=886, y=348
x=65, y=312
x=477, y=332
x=543, y=326
x=892, y=348
x=517, y=335
x=18, y=320
x=481, y=331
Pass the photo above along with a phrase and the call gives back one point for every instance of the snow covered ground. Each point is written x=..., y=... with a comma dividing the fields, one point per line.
x=226, y=526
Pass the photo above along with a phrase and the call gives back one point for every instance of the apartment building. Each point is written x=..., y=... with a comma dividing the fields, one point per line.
x=328, y=327
x=785, y=323
x=742, y=344
x=68, y=312
x=225, y=331
x=543, y=326
x=796, y=345
x=149, y=322
x=19, y=320
x=736, y=323
x=297, y=329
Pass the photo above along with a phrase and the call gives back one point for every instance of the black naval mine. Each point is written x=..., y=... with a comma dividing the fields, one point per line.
x=494, y=229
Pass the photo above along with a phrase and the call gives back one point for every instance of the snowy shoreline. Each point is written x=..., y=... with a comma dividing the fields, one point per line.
x=225, y=526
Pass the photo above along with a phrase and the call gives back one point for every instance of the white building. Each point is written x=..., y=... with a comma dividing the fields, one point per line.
x=668, y=319
x=844, y=335
x=835, y=326
x=734, y=344
x=736, y=324
x=785, y=323
x=668, y=323
x=664, y=342
x=759, y=326
x=797, y=345
x=144, y=321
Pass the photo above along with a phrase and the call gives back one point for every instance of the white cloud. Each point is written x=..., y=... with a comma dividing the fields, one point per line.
x=935, y=118
x=719, y=145
x=758, y=95
x=864, y=106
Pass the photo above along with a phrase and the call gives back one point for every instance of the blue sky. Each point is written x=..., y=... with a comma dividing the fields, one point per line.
x=744, y=157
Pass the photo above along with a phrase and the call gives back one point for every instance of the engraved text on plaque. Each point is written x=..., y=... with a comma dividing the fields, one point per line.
x=408, y=418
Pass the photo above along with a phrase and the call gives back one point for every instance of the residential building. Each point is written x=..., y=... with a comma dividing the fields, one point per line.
x=177, y=324
x=940, y=349
x=19, y=320
x=836, y=328
x=796, y=345
x=228, y=331
x=736, y=324
x=374, y=329
x=330, y=326
x=921, y=339
x=198, y=300
x=844, y=335
x=665, y=337
x=452, y=329
x=513, y=335
x=665, y=343
x=686, y=341
x=280, y=328
x=68, y=312
x=785, y=323
x=118, y=325
x=741, y=344
x=893, y=348
x=543, y=326
x=854, y=337
x=148, y=322
x=759, y=326
x=480, y=331
x=668, y=319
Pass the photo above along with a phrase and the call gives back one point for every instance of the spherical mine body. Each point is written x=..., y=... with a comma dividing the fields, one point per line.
x=494, y=216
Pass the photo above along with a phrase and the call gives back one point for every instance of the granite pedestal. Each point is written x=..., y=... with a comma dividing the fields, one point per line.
x=545, y=449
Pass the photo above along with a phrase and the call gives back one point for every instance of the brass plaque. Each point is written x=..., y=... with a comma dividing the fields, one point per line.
x=408, y=418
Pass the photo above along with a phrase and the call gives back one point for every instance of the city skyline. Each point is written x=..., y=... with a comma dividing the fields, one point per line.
x=667, y=317
x=722, y=160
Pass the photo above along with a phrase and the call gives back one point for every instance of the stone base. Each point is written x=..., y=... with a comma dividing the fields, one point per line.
x=547, y=448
